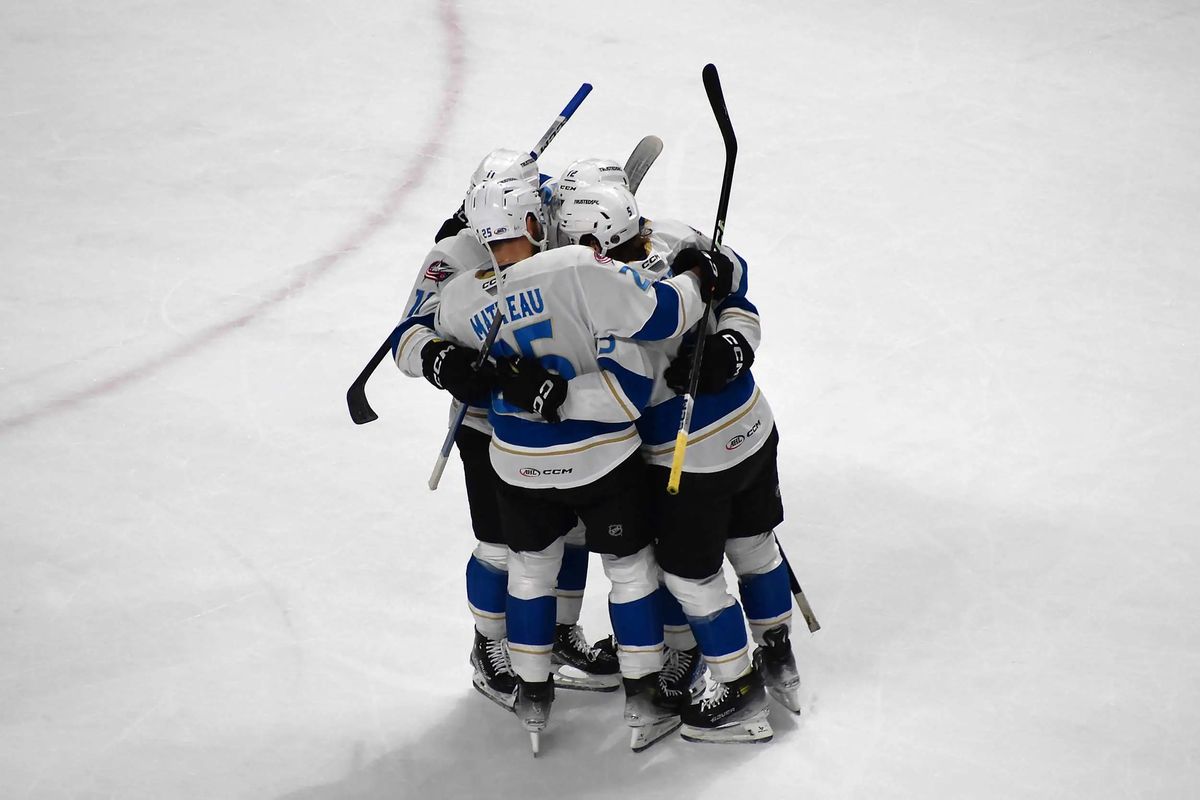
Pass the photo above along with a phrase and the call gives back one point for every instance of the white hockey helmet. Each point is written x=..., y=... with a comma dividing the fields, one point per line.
x=506, y=164
x=586, y=172
x=497, y=210
x=607, y=211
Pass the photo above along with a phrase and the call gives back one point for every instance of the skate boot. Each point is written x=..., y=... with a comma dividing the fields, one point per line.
x=778, y=667
x=734, y=712
x=493, y=676
x=579, y=665
x=682, y=677
x=533, y=701
x=649, y=715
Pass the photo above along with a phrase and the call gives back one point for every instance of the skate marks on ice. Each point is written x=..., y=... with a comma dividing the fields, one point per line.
x=478, y=750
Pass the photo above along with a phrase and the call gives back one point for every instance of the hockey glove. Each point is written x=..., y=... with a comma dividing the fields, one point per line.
x=727, y=356
x=452, y=225
x=529, y=386
x=715, y=271
x=450, y=367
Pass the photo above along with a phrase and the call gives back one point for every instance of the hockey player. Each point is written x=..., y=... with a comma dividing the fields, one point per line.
x=566, y=395
x=728, y=503
x=418, y=352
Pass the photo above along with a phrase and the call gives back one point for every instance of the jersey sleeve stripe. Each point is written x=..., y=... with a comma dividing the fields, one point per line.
x=405, y=327
x=668, y=311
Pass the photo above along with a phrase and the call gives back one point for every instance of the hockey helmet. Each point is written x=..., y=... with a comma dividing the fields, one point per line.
x=607, y=211
x=503, y=163
x=497, y=210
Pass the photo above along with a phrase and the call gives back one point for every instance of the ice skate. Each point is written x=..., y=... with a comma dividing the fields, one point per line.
x=778, y=667
x=682, y=677
x=532, y=707
x=735, y=712
x=493, y=676
x=649, y=715
x=579, y=665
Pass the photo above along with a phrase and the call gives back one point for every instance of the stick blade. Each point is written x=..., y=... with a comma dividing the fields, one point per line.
x=360, y=410
x=641, y=159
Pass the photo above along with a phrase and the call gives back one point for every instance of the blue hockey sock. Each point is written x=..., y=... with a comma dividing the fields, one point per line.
x=487, y=590
x=768, y=599
x=572, y=578
x=723, y=642
x=638, y=628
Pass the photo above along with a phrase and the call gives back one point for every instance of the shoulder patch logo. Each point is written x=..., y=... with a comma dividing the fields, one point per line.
x=438, y=272
x=602, y=259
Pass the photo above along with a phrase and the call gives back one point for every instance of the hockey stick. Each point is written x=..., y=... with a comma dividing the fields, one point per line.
x=641, y=159
x=716, y=99
x=356, y=396
x=806, y=611
x=448, y=444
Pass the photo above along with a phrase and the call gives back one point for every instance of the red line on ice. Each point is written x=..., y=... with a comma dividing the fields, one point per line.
x=454, y=56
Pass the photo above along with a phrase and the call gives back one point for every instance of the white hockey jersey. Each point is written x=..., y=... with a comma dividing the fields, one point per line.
x=454, y=255
x=730, y=425
x=582, y=316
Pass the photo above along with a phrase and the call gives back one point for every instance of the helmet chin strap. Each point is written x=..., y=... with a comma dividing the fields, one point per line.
x=540, y=244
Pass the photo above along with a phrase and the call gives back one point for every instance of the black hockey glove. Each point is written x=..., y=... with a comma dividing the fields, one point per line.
x=531, y=387
x=715, y=271
x=453, y=225
x=450, y=367
x=727, y=356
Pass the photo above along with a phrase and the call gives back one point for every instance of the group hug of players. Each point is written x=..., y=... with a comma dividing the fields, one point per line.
x=566, y=448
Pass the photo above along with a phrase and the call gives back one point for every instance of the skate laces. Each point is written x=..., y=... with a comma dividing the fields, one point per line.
x=498, y=657
x=716, y=698
x=580, y=643
x=678, y=665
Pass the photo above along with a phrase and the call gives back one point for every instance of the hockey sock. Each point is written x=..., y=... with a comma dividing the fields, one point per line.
x=722, y=638
x=572, y=578
x=768, y=600
x=676, y=630
x=531, y=636
x=487, y=588
x=638, y=628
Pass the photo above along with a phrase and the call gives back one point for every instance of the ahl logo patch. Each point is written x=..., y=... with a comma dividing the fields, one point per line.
x=739, y=440
x=437, y=272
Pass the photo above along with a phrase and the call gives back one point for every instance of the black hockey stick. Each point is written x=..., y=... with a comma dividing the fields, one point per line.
x=448, y=444
x=806, y=611
x=356, y=396
x=716, y=99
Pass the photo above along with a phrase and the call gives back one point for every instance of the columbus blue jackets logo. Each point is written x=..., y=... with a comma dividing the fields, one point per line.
x=437, y=272
x=602, y=259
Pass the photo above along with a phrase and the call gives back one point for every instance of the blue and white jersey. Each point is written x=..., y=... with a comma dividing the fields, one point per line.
x=581, y=315
x=730, y=425
x=455, y=255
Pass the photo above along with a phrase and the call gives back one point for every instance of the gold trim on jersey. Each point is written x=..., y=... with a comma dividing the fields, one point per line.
x=740, y=313
x=533, y=453
x=408, y=337
x=617, y=395
x=661, y=451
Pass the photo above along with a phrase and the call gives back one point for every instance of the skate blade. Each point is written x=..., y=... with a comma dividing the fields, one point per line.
x=645, y=735
x=756, y=730
x=789, y=698
x=534, y=742
x=505, y=701
x=568, y=677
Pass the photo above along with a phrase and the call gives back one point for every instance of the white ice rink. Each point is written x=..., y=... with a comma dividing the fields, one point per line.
x=974, y=235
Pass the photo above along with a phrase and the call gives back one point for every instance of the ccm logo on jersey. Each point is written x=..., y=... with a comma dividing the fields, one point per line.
x=533, y=472
x=739, y=440
x=437, y=272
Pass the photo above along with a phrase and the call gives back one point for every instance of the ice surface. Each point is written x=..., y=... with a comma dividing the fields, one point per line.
x=973, y=231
